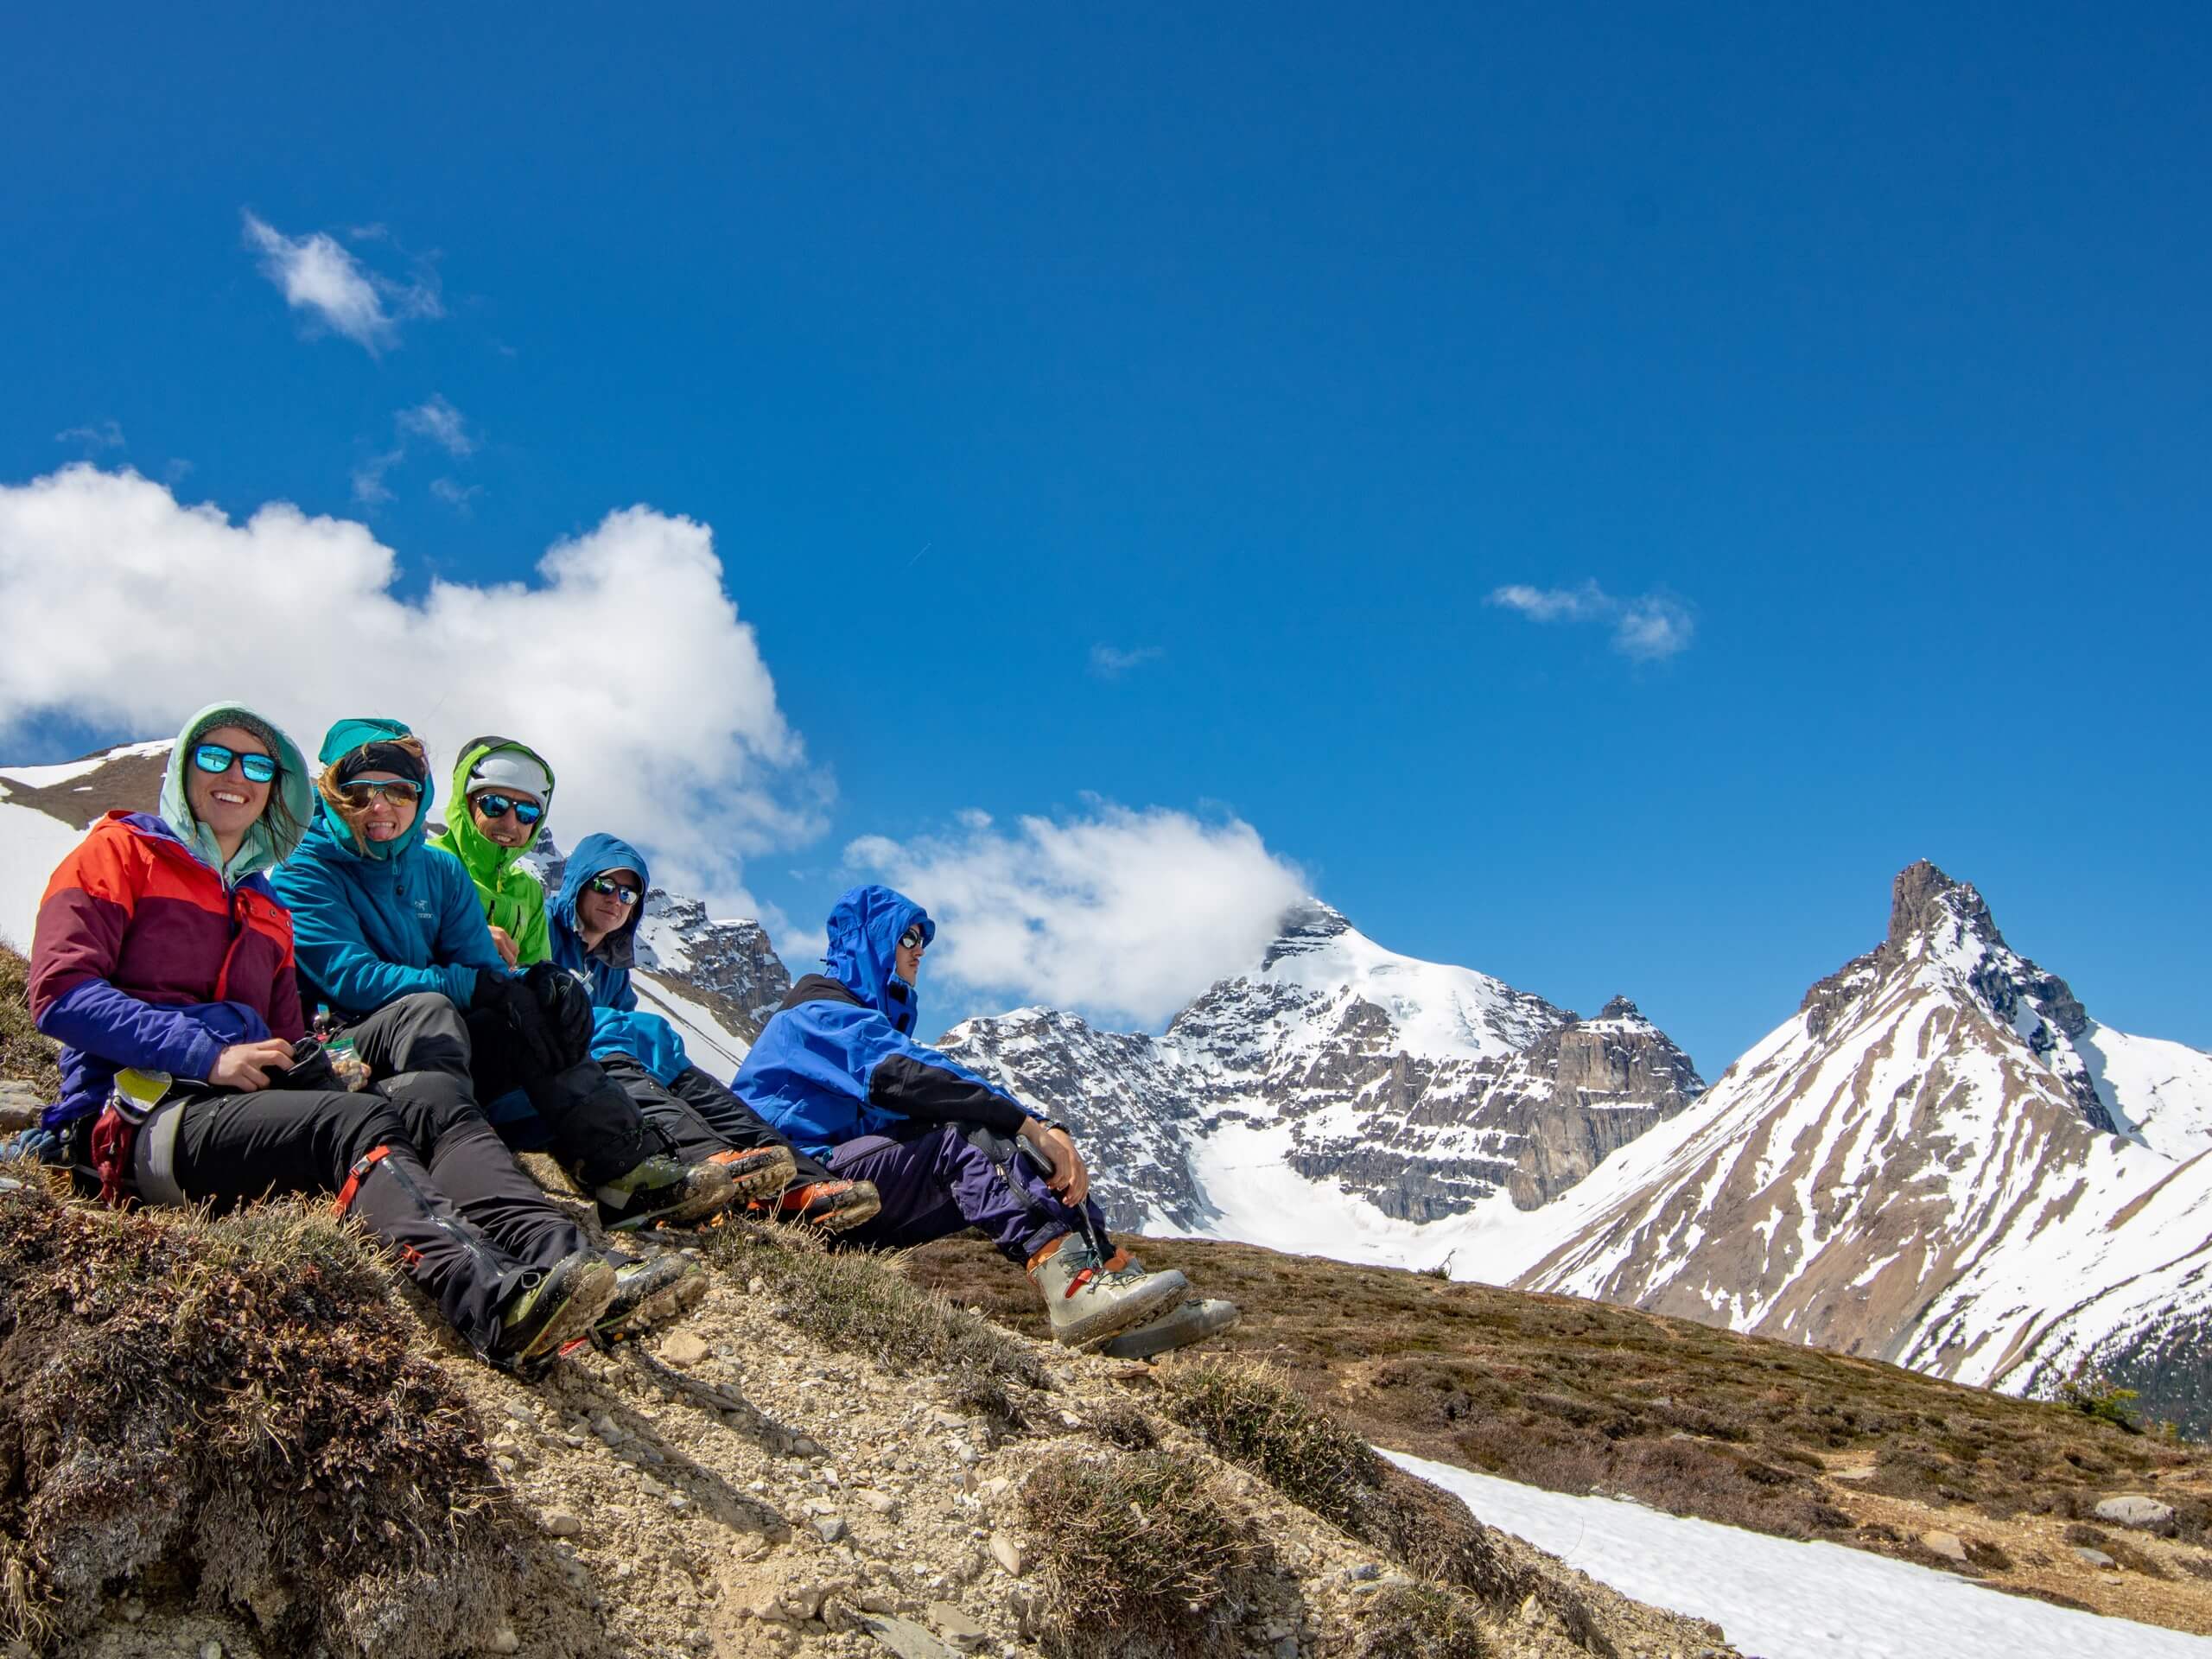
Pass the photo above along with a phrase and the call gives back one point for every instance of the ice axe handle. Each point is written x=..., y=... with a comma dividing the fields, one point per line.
x=1035, y=1159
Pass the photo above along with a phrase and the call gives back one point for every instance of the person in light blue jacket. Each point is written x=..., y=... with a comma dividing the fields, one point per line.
x=389, y=935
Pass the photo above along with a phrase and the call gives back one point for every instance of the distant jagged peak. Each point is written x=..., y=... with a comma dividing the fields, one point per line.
x=1924, y=903
x=1944, y=941
x=1621, y=1009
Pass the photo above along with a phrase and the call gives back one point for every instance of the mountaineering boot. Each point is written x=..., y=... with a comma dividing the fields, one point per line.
x=756, y=1171
x=553, y=1307
x=1087, y=1299
x=834, y=1206
x=664, y=1189
x=1194, y=1321
x=648, y=1292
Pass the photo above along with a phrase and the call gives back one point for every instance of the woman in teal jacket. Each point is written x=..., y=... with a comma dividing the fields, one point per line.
x=379, y=919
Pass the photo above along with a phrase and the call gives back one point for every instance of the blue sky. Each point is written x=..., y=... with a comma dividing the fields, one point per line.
x=1140, y=410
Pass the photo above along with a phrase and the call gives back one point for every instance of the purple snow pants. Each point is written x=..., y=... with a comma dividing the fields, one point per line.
x=936, y=1179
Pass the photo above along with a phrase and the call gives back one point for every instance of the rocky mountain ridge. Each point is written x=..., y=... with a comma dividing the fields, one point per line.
x=1421, y=1090
x=1941, y=1159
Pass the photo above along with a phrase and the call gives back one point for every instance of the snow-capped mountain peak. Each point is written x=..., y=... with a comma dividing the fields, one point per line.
x=1940, y=1160
x=1322, y=979
x=1370, y=1081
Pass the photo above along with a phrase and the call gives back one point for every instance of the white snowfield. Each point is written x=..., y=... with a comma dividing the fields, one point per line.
x=31, y=844
x=1778, y=1599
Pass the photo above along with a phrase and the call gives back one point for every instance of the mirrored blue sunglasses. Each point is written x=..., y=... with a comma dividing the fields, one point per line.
x=492, y=804
x=216, y=758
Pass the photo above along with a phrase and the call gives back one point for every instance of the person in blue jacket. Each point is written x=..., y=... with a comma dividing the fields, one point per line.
x=592, y=932
x=836, y=1068
x=389, y=935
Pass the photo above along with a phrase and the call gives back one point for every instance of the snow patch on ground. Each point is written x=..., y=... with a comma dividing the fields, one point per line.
x=31, y=844
x=1784, y=1600
x=708, y=1044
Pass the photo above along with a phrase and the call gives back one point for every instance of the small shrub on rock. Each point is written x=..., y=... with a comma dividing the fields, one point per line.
x=1412, y=1621
x=235, y=1404
x=1135, y=1553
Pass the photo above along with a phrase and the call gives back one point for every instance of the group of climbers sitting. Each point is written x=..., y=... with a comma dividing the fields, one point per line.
x=175, y=957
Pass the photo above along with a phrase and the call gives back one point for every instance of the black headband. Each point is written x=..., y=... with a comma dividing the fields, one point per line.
x=380, y=757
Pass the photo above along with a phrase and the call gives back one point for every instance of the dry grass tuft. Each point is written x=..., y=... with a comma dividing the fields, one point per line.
x=864, y=1304
x=1415, y=1621
x=1255, y=1420
x=1136, y=1554
x=234, y=1403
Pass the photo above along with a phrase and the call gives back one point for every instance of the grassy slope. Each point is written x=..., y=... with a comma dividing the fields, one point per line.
x=25, y=1057
x=1580, y=1396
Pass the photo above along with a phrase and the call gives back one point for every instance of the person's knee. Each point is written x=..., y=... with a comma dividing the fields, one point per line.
x=380, y=1123
x=431, y=1102
x=429, y=1013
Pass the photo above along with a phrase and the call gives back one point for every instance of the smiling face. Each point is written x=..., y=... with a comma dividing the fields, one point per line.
x=384, y=819
x=599, y=914
x=507, y=829
x=226, y=804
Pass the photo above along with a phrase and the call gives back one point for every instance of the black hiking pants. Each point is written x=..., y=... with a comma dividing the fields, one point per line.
x=695, y=1118
x=596, y=1130
x=413, y=1160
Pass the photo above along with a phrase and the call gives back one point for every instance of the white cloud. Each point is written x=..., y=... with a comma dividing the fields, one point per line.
x=441, y=422
x=1111, y=661
x=1122, y=912
x=626, y=660
x=108, y=435
x=369, y=487
x=455, y=495
x=318, y=274
x=1647, y=627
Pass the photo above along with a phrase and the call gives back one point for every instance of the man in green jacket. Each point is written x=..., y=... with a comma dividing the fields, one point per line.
x=502, y=791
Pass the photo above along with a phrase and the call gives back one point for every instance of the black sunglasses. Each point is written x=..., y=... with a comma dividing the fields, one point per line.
x=622, y=891
x=914, y=939
x=492, y=804
x=216, y=758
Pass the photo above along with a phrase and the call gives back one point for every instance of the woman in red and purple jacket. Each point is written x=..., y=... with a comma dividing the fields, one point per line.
x=160, y=948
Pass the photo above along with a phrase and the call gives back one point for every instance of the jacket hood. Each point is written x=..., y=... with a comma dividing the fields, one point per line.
x=273, y=837
x=486, y=860
x=341, y=740
x=595, y=854
x=864, y=929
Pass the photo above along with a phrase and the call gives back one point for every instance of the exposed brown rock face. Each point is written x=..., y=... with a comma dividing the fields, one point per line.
x=126, y=783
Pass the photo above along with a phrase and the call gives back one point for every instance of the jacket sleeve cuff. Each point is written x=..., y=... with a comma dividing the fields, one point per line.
x=200, y=1057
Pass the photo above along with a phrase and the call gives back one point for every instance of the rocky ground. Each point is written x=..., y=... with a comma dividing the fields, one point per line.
x=737, y=1486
